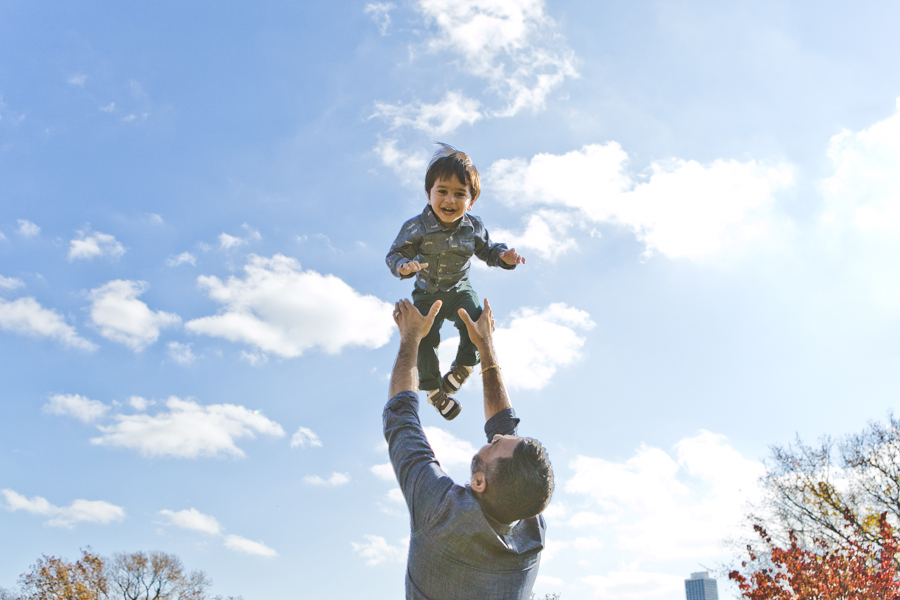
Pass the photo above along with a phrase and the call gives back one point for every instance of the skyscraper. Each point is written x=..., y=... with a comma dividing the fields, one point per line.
x=701, y=587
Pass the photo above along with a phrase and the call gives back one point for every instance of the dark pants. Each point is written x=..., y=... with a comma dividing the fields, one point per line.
x=461, y=297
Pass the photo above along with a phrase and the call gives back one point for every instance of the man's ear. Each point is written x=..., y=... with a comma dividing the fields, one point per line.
x=478, y=483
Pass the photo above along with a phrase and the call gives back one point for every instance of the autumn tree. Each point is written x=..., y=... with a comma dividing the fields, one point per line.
x=54, y=578
x=855, y=569
x=135, y=576
x=835, y=491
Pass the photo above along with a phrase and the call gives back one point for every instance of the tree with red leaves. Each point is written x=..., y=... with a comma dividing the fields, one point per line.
x=857, y=569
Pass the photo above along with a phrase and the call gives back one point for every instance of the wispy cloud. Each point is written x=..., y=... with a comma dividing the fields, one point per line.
x=25, y=316
x=89, y=245
x=79, y=511
x=381, y=14
x=336, y=479
x=375, y=550
x=183, y=258
x=121, y=317
x=181, y=353
x=193, y=520
x=227, y=242
x=436, y=119
x=513, y=44
x=74, y=405
x=282, y=309
x=28, y=229
x=245, y=546
x=305, y=437
x=10, y=283
x=187, y=430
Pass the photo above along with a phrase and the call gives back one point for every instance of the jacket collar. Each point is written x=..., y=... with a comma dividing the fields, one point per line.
x=432, y=224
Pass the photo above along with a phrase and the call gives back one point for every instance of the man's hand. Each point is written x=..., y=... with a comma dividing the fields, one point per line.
x=413, y=266
x=480, y=331
x=412, y=324
x=511, y=257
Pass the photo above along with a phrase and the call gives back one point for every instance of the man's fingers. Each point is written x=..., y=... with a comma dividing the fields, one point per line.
x=466, y=318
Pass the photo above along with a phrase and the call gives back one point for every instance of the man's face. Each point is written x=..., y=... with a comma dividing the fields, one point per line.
x=450, y=200
x=502, y=446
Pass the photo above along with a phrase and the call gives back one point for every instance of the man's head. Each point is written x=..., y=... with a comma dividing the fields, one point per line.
x=447, y=163
x=513, y=477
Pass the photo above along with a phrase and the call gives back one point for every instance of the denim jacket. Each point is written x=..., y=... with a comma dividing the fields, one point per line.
x=456, y=550
x=448, y=253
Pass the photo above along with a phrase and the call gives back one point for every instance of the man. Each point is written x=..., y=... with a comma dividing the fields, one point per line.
x=481, y=541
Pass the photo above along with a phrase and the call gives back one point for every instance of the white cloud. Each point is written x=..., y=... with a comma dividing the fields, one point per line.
x=305, y=437
x=78, y=79
x=864, y=191
x=511, y=43
x=381, y=14
x=227, y=242
x=682, y=210
x=28, y=229
x=109, y=107
x=181, y=353
x=546, y=233
x=184, y=257
x=335, y=480
x=80, y=511
x=245, y=546
x=91, y=245
x=408, y=166
x=538, y=342
x=73, y=405
x=436, y=119
x=535, y=344
x=123, y=318
x=10, y=283
x=449, y=450
x=188, y=430
x=376, y=550
x=139, y=403
x=193, y=520
x=662, y=506
x=26, y=316
x=384, y=471
x=634, y=585
x=286, y=311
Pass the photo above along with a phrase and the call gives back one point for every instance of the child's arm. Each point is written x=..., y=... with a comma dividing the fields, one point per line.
x=401, y=259
x=495, y=255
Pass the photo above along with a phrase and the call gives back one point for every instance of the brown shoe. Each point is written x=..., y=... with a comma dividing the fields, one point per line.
x=455, y=377
x=447, y=406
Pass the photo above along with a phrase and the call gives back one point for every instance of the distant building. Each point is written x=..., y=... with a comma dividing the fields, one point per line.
x=701, y=587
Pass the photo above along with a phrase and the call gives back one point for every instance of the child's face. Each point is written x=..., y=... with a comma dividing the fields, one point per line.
x=450, y=200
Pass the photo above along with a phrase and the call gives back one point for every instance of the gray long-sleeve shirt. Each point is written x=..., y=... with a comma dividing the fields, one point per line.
x=456, y=550
x=447, y=252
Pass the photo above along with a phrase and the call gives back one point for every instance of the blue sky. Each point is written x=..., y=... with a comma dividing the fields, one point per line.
x=195, y=205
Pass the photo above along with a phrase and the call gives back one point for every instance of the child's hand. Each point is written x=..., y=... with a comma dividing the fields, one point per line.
x=511, y=257
x=411, y=267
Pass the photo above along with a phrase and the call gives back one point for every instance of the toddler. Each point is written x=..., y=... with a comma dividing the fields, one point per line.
x=437, y=247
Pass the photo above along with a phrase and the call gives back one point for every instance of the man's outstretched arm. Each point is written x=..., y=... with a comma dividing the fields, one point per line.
x=413, y=327
x=481, y=333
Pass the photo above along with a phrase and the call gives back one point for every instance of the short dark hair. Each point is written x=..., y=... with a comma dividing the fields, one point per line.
x=520, y=486
x=447, y=162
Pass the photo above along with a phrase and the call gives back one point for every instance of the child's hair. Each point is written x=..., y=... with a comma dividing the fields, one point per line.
x=447, y=162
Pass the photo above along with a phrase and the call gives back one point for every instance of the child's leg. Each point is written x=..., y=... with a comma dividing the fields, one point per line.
x=429, y=369
x=466, y=298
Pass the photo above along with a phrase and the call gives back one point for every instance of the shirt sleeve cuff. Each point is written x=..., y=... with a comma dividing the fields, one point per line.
x=407, y=397
x=504, y=422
